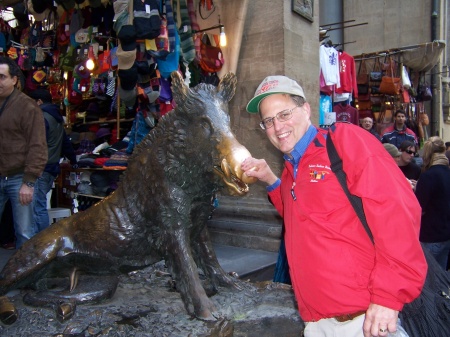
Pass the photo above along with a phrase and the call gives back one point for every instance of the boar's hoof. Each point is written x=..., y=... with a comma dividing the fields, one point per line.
x=8, y=312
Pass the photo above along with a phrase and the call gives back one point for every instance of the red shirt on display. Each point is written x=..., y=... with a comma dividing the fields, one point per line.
x=346, y=113
x=347, y=74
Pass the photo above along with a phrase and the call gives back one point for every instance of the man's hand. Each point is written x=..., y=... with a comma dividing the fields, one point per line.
x=380, y=321
x=259, y=169
x=25, y=195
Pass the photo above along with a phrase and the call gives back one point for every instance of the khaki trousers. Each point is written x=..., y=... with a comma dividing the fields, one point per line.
x=330, y=327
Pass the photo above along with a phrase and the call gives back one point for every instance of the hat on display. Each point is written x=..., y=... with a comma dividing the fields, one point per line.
x=120, y=6
x=125, y=59
x=392, y=149
x=151, y=94
x=42, y=94
x=274, y=85
x=82, y=71
x=120, y=21
x=90, y=136
x=128, y=77
x=82, y=35
x=128, y=97
x=102, y=132
x=38, y=16
x=127, y=37
x=75, y=137
x=93, y=107
x=39, y=6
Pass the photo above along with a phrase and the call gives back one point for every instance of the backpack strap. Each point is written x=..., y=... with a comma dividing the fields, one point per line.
x=337, y=168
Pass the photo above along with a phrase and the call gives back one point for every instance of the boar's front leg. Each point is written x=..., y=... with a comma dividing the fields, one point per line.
x=206, y=259
x=185, y=272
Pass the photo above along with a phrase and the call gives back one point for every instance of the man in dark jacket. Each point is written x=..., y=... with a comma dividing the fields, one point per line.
x=398, y=133
x=58, y=145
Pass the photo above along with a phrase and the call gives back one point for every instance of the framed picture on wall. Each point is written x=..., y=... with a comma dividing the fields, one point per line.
x=304, y=8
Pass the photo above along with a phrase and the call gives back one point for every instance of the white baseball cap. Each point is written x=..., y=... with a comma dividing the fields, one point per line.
x=274, y=85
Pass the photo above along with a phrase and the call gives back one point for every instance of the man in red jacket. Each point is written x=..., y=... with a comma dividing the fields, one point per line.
x=344, y=285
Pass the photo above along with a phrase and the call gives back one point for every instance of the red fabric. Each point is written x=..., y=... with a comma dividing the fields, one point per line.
x=100, y=161
x=347, y=75
x=346, y=113
x=334, y=267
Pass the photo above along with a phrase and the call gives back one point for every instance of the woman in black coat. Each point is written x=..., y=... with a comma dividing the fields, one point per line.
x=433, y=193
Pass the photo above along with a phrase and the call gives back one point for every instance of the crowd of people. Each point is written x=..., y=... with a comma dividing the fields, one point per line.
x=432, y=167
x=361, y=289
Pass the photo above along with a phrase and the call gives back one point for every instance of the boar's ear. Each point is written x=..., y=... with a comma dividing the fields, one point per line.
x=179, y=89
x=227, y=86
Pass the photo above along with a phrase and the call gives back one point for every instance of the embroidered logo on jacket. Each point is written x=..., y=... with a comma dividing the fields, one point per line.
x=318, y=172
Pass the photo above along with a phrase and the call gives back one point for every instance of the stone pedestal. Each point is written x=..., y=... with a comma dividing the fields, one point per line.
x=145, y=304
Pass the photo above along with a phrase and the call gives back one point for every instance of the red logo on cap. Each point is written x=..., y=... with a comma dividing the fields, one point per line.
x=267, y=86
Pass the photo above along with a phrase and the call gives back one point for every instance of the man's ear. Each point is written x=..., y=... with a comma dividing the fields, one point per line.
x=307, y=109
x=15, y=79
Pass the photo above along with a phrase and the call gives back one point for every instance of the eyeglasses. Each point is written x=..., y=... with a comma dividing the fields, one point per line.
x=282, y=116
x=410, y=152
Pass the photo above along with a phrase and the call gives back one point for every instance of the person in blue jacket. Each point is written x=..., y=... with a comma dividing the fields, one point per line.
x=59, y=145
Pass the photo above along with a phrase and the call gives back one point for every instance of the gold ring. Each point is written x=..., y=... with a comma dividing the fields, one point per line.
x=383, y=330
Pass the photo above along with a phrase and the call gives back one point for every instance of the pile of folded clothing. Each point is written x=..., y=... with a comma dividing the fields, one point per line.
x=117, y=161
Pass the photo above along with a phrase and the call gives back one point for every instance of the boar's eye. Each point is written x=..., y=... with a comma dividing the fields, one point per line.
x=206, y=127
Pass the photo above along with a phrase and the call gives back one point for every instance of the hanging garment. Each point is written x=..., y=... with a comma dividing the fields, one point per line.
x=329, y=65
x=347, y=74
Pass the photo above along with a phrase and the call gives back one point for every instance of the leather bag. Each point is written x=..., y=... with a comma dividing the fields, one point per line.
x=363, y=76
x=390, y=85
x=376, y=74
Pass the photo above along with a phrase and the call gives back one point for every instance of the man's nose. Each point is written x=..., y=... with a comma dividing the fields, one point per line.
x=277, y=124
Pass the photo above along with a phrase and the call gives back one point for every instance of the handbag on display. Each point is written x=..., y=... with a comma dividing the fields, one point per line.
x=406, y=82
x=390, y=85
x=425, y=92
x=363, y=76
x=364, y=97
x=364, y=105
x=376, y=74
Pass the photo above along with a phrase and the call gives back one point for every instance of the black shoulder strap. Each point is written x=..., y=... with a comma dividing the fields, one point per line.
x=337, y=168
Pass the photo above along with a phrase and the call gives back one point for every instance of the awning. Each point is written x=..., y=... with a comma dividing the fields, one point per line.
x=420, y=58
x=423, y=58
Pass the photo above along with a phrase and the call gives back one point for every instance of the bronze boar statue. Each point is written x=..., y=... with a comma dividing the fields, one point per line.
x=160, y=208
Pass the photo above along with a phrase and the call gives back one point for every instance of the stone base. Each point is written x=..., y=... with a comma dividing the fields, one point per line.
x=146, y=305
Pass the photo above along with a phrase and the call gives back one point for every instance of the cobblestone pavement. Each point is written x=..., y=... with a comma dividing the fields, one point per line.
x=146, y=305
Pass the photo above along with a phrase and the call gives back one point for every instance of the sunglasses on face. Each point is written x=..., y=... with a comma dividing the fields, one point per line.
x=410, y=152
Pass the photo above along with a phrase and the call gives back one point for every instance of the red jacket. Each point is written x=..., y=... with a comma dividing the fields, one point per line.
x=334, y=267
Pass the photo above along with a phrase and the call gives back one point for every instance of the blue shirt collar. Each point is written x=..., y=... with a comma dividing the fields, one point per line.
x=302, y=144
